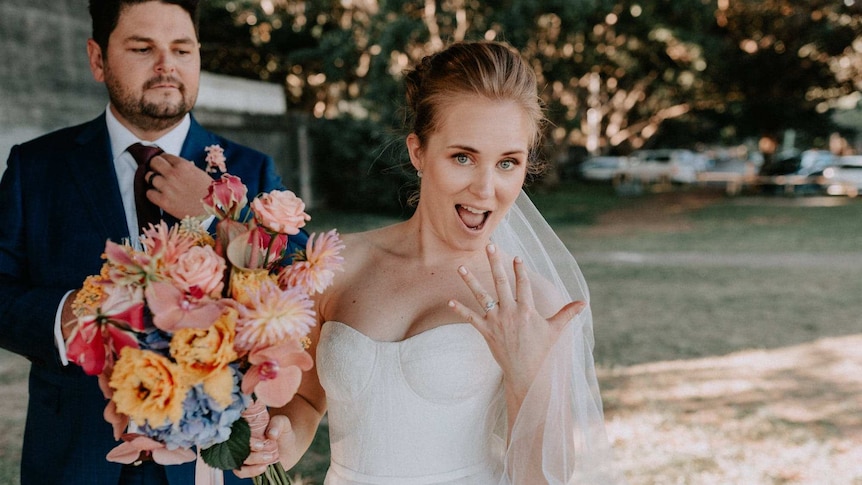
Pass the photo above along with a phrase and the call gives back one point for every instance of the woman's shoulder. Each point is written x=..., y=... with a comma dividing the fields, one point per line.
x=373, y=242
x=365, y=249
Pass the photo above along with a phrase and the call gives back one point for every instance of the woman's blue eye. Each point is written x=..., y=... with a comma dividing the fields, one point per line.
x=507, y=164
x=462, y=159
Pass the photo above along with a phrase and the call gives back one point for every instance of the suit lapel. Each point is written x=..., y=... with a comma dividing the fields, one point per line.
x=96, y=178
x=194, y=148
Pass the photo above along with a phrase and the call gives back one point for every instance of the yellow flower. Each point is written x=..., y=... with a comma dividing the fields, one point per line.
x=148, y=388
x=204, y=354
x=90, y=296
x=220, y=385
x=246, y=282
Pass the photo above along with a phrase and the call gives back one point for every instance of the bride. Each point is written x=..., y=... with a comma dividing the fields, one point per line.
x=456, y=347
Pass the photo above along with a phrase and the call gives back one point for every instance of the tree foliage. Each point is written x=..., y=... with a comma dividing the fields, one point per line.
x=614, y=73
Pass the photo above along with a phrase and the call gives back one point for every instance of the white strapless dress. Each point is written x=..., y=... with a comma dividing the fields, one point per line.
x=425, y=410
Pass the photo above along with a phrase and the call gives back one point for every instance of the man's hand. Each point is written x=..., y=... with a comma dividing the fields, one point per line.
x=177, y=186
x=68, y=320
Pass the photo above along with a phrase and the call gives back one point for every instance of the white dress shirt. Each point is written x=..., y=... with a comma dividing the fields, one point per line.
x=125, y=166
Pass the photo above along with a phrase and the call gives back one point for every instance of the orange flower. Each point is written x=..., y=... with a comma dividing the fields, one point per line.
x=148, y=388
x=204, y=354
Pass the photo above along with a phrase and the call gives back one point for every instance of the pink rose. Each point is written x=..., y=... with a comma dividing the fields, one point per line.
x=199, y=267
x=280, y=211
x=226, y=197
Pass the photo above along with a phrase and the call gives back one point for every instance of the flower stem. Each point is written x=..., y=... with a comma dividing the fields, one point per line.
x=274, y=475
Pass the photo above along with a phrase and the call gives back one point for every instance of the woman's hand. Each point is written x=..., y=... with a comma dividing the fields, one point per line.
x=518, y=336
x=266, y=450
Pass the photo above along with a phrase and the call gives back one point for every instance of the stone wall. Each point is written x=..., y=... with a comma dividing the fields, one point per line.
x=45, y=81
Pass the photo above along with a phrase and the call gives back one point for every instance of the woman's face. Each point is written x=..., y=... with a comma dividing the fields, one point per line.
x=473, y=168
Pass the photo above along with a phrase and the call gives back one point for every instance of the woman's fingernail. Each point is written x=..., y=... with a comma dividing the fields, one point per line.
x=518, y=260
x=492, y=249
x=257, y=446
x=462, y=270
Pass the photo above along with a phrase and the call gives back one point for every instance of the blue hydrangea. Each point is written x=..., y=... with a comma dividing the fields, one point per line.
x=204, y=422
x=155, y=339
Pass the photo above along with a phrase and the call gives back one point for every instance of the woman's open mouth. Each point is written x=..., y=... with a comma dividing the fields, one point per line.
x=472, y=217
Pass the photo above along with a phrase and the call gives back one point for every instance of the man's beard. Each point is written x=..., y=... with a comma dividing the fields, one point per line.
x=148, y=115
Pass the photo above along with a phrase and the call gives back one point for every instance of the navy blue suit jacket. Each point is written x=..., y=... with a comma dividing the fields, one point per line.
x=59, y=203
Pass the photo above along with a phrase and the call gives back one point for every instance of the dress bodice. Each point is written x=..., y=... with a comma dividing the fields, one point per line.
x=428, y=409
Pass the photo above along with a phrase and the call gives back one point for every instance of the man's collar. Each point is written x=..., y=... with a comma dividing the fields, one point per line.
x=121, y=137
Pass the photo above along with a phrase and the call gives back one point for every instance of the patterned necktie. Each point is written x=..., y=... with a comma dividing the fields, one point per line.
x=148, y=213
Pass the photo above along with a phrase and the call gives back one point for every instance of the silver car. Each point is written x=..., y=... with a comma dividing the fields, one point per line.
x=844, y=177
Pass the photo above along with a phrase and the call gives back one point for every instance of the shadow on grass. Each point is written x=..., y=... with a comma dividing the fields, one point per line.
x=789, y=415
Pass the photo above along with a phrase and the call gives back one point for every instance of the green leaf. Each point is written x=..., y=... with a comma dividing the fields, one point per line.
x=231, y=454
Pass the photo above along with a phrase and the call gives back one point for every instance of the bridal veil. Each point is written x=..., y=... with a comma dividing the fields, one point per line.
x=558, y=436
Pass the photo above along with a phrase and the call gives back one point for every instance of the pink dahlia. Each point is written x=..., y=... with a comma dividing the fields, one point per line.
x=315, y=269
x=271, y=315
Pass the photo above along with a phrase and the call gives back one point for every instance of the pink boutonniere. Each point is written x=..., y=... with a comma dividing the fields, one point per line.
x=215, y=159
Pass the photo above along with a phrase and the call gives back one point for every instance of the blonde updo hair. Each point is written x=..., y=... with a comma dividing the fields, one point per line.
x=491, y=70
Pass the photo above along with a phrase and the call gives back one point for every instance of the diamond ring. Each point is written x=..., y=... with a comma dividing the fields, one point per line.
x=490, y=306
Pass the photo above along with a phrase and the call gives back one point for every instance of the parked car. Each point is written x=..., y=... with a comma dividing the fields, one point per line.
x=601, y=168
x=796, y=172
x=664, y=165
x=844, y=177
x=806, y=163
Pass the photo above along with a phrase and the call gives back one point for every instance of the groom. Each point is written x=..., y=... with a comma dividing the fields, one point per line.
x=64, y=194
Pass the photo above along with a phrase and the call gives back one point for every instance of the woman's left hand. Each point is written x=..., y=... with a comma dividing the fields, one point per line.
x=518, y=336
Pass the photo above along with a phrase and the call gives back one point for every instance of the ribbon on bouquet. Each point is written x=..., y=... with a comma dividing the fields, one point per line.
x=207, y=475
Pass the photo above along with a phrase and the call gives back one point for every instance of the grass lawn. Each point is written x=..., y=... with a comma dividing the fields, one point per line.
x=712, y=316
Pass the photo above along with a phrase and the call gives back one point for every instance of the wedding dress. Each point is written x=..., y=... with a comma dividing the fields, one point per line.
x=430, y=409
x=420, y=411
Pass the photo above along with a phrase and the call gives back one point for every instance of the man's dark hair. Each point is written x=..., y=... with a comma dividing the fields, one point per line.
x=106, y=15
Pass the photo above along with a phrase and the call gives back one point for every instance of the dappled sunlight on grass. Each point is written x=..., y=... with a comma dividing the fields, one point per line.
x=789, y=415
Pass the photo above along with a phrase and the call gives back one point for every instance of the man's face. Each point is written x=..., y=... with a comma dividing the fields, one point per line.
x=151, y=68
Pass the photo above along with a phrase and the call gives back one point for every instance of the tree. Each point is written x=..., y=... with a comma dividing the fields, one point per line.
x=614, y=73
x=783, y=63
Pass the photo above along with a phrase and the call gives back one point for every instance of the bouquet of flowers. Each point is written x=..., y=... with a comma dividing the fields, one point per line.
x=193, y=336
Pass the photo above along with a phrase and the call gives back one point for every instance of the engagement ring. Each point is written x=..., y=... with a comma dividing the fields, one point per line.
x=490, y=306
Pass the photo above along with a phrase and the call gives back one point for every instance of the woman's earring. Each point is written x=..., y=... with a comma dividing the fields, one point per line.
x=419, y=173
